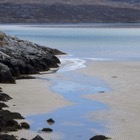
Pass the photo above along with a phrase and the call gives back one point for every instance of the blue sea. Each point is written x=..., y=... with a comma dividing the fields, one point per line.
x=82, y=44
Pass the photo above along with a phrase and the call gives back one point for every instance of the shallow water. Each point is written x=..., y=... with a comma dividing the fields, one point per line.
x=71, y=121
x=97, y=43
x=82, y=45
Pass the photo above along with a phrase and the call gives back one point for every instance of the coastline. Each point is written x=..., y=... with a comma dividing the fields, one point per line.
x=73, y=25
x=122, y=119
x=33, y=96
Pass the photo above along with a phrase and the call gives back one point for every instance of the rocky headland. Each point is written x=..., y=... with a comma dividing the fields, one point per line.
x=19, y=57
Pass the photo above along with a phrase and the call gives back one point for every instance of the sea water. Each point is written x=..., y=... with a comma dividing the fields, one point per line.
x=82, y=45
x=89, y=43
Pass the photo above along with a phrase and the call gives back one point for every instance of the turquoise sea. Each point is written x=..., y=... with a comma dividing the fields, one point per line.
x=82, y=45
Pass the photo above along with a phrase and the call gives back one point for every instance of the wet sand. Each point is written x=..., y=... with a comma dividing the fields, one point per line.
x=122, y=119
x=33, y=96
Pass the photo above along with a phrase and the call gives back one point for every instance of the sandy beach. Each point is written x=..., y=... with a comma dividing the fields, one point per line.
x=32, y=97
x=122, y=118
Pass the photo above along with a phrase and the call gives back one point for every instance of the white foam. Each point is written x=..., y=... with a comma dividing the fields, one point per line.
x=71, y=64
x=99, y=59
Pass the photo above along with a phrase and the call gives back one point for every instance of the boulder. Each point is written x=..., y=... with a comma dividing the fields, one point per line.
x=25, y=125
x=8, y=124
x=99, y=137
x=10, y=115
x=2, y=105
x=18, y=57
x=47, y=130
x=7, y=137
x=4, y=97
x=50, y=121
x=37, y=138
x=5, y=74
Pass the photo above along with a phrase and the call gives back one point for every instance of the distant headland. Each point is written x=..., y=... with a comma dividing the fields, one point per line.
x=70, y=11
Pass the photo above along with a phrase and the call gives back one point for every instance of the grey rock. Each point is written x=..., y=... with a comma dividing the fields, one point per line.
x=5, y=74
x=99, y=137
x=37, y=138
x=50, y=121
x=7, y=137
x=25, y=125
x=47, y=130
x=23, y=139
x=20, y=57
x=2, y=105
x=4, y=97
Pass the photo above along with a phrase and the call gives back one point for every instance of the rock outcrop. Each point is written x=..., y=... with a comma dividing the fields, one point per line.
x=19, y=57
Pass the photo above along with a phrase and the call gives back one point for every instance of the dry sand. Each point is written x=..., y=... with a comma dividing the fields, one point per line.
x=31, y=97
x=123, y=118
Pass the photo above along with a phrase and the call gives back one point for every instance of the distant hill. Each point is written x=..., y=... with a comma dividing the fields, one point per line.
x=69, y=11
x=127, y=1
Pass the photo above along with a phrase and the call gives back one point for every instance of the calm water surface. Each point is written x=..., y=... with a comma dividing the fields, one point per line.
x=109, y=43
x=82, y=45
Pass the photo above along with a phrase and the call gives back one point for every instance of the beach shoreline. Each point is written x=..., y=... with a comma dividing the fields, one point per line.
x=122, y=119
x=75, y=25
x=33, y=97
